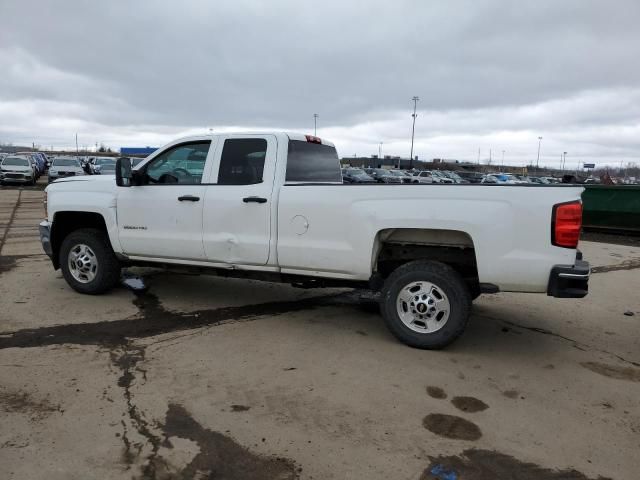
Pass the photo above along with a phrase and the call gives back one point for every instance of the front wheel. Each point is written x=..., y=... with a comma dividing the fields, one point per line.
x=88, y=263
x=425, y=304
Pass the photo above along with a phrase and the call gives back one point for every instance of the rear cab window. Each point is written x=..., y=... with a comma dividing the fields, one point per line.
x=310, y=161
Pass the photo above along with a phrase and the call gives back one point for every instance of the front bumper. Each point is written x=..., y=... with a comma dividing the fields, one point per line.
x=16, y=178
x=45, y=238
x=570, y=281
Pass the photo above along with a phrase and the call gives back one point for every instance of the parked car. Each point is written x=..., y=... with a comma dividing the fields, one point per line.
x=539, y=180
x=356, y=175
x=471, y=177
x=104, y=166
x=497, y=178
x=422, y=177
x=65, y=167
x=454, y=176
x=516, y=179
x=404, y=177
x=272, y=206
x=37, y=160
x=382, y=175
x=18, y=169
x=439, y=177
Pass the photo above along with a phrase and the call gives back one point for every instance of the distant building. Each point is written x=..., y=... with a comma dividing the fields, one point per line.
x=137, y=150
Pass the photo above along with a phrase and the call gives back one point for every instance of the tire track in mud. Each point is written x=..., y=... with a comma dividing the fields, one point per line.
x=12, y=217
x=155, y=320
x=631, y=264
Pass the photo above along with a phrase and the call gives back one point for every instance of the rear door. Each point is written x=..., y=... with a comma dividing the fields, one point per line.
x=163, y=217
x=238, y=205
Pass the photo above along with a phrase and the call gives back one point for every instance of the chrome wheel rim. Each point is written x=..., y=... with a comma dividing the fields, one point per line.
x=423, y=307
x=83, y=263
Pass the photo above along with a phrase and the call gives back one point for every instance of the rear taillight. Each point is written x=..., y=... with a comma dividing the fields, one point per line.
x=565, y=224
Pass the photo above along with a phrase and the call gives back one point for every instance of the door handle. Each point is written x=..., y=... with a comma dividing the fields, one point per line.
x=254, y=200
x=188, y=198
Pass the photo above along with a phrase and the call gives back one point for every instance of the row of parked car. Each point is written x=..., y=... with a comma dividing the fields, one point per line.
x=384, y=175
x=28, y=167
x=22, y=167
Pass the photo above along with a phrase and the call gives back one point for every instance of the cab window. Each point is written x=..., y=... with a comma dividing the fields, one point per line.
x=242, y=161
x=182, y=164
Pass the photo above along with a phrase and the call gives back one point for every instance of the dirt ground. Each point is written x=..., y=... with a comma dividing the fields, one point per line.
x=201, y=377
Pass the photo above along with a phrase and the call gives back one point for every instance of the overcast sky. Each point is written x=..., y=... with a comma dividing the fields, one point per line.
x=489, y=74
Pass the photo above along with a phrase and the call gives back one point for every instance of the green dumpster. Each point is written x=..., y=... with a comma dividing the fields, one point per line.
x=614, y=207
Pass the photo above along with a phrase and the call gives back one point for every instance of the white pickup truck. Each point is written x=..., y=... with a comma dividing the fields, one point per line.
x=273, y=207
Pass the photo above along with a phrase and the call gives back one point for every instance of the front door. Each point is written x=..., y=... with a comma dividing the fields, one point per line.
x=162, y=218
x=238, y=205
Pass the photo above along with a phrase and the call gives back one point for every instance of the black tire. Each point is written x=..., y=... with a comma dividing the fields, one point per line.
x=446, y=279
x=108, y=271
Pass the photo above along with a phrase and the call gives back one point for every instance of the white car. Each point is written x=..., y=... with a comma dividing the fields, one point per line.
x=273, y=206
x=62, y=167
x=17, y=169
x=440, y=177
x=103, y=166
x=423, y=177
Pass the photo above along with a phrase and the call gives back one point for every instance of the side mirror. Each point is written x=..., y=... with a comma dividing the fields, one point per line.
x=123, y=172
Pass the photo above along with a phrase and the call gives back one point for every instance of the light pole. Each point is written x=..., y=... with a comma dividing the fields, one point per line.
x=380, y=151
x=478, y=156
x=413, y=128
x=315, y=124
x=503, y=159
x=538, y=161
x=564, y=160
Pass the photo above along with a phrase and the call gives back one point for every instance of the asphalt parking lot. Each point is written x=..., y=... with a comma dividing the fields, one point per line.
x=201, y=377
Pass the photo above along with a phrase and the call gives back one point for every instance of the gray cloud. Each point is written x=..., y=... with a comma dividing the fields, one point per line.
x=486, y=71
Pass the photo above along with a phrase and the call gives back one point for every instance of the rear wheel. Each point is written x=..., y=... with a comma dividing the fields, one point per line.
x=88, y=263
x=425, y=304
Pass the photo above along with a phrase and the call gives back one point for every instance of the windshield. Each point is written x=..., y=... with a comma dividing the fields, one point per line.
x=15, y=161
x=65, y=162
x=105, y=161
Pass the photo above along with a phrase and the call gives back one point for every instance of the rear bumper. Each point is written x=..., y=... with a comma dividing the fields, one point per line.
x=570, y=281
x=45, y=238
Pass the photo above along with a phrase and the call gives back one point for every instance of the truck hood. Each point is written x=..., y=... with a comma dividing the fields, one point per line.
x=83, y=183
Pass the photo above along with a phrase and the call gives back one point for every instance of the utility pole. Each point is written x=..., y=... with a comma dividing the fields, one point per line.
x=478, y=157
x=538, y=161
x=315, y=124
x=77, y=152
x=489, y=157
x=413, y=129
x=564, y=160
x=380, y=151
x=502, y=159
